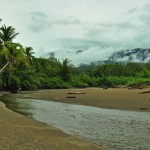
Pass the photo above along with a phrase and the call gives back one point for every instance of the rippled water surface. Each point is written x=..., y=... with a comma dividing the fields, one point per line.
x=119, y=130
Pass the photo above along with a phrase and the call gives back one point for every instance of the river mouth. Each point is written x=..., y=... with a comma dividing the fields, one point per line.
x=119, y=130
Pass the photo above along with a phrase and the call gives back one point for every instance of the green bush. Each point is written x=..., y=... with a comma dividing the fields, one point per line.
x=112, y=81
x=90, y=81
x=26, y=85
x=77, y=82
x=145, y=73
x=138, y=82
x=15, y=83
x=57, y=83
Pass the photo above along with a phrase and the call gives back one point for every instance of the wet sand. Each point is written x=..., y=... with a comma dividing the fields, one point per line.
x=113, y=98
x=20, y=133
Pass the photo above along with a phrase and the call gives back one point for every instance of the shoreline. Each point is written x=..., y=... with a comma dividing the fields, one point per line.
x=112, y=98
x=21, y=133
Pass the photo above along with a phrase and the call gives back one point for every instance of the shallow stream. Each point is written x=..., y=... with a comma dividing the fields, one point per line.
x=115, y=129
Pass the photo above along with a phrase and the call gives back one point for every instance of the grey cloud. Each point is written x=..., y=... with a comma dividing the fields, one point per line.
x=103, y=28
x=112, y=34
x=145, y=18
x=101, y=39
x=40, y=21
x=82, y=50
x=130, y=33
x=146, y=7
x=79, y=51
x=76, y=44
x=142, y=37
x=133, y=10
x=145, y=14
x=127, y=25
x=67, y=21
x=141, y=15
x=38, y=14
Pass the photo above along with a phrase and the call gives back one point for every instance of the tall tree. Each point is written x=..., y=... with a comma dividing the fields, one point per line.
x=7, y=34
x=28, y=51
x=0, y=40
x=65, y=69
x=12, y=53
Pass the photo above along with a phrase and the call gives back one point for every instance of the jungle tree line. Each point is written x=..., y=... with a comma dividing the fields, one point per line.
x=21, y=69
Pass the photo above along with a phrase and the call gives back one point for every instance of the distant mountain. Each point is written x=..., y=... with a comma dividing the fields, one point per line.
x=135, y=55
x=138, y=55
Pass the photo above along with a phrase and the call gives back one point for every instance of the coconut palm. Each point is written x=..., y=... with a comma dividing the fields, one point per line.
x=28, y=51
x=13, y=54
x=65, y=69
x=0, y=40
x=7, y=34
x=3, y=68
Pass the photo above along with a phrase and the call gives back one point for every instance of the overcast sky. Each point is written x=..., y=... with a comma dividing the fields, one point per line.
x=81, y=30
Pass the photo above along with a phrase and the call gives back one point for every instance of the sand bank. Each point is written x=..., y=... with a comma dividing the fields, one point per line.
x=20, y=133
x=113, y=98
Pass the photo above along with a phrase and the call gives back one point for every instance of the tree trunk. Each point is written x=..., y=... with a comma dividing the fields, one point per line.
x=1, y=70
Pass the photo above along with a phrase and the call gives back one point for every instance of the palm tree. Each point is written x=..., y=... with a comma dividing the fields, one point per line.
x=28, y=51
x=7, y=34
x=2, y=69
x=0, y=40
x=65, y=69
x=13, y=54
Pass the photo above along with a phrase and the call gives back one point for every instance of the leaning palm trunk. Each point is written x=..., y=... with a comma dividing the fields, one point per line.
x=1, y=70
x=10, y=74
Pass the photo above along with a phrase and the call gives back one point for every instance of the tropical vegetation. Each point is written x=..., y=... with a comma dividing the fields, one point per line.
x=21, y=69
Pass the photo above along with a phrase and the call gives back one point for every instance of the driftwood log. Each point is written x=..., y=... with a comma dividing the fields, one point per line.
x=144, y=108
x=76, y=93
x=71, y=97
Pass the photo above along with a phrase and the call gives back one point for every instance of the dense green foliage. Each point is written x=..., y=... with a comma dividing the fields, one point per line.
x=27, y=72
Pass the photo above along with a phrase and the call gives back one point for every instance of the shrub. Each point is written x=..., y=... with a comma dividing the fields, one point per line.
x=138, y=82
x=77, y=82
x=15, y=83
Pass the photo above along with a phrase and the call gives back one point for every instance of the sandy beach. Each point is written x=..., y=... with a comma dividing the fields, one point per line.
x=113, y=98
x=22, y=133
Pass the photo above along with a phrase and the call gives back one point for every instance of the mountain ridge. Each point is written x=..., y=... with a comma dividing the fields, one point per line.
x=138, y=55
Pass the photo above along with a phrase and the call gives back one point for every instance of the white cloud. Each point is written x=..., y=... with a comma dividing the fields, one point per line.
x=99, y=27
